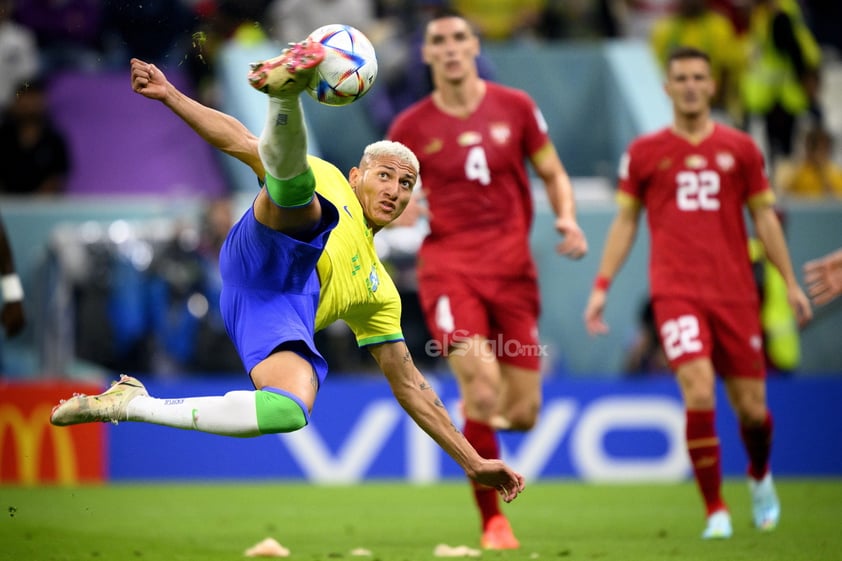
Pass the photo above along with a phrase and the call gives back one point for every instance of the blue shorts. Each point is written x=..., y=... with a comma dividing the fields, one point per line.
x=270, y=289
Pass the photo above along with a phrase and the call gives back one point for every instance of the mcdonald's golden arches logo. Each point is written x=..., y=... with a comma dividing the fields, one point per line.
x=32, y=451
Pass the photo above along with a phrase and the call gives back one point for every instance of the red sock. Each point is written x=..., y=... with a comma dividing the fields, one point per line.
x=758, y=443
x=703, y=447
x=483, y=438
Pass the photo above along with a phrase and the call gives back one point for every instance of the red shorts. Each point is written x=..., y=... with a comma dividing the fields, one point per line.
x=728, y=334
x=504, y=311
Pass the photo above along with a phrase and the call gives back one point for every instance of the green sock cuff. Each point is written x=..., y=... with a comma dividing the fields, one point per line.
x=279, y=411
x=294, y=192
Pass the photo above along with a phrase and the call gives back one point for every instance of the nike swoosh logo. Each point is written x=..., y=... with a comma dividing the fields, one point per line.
x=347, y=211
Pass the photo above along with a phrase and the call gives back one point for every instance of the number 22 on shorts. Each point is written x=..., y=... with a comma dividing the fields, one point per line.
x=681, y=336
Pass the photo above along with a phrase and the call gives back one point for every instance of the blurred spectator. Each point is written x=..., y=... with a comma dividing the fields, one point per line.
x=184, y=285
x=35, y=159
x=646, y=356
x=815, y=175
x=580, y=19
x=695, y=24
x=154, y=30
x=69, y=32
x=19, y=58
x=737, y=12
x=216, y=23
x=12, y=315
x=397, y=246
x=825, y=19
x=781, y=80
x=781, y=337
x=502, y=20
x=293, y=20
x=641, y=15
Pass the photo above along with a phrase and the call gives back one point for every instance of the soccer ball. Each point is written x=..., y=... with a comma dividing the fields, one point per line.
x=349, y=68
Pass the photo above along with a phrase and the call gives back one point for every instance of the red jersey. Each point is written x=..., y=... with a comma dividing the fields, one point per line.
x=473, y=173
x=694, y=196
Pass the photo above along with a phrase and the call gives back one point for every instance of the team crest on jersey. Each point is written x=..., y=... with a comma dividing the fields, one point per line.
x=725, y=161
x=500, y=132
x=373, y=281
x=434, y=146
x=470, y=138
x=695, y=161
x=755, y=342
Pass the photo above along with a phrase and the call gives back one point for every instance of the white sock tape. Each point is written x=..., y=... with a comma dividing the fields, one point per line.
x=11, y=288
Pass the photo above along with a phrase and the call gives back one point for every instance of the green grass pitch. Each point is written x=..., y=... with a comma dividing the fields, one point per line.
x=564, y=520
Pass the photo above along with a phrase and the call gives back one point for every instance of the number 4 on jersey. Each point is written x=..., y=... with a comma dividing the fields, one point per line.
x=476, y=166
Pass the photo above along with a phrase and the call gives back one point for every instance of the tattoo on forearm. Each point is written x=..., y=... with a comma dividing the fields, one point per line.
x=438, y=403
x=407, y=358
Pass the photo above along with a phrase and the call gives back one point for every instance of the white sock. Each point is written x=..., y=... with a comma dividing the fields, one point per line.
x=283, y=142
x=233, y=414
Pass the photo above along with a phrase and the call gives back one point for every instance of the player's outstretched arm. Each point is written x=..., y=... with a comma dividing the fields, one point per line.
x=824, y=277
x=221, y=131
x=770, y=233
x=621, y=236
x=420, y=401
x=560, y=193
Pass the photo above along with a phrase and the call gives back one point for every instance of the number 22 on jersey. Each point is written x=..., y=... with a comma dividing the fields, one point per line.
x=697, y=190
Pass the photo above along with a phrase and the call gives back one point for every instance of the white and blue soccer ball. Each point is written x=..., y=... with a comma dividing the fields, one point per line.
x=349, y=68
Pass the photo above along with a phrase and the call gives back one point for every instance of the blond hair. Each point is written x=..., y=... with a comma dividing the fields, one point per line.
x=390, y=148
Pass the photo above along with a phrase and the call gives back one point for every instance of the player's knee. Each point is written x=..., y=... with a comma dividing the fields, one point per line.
x=279, y=411
x=522, y=418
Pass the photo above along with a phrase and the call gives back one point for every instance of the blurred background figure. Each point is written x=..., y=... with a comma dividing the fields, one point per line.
x=696, y=24
x=645, y=356
x=293, y=20
x=154, y=30
x=781, y=82
x=779, y=326
x=187, y=331
x=12, y=315
x=36, y=159
x=580, y=19
x=69, y=32
x=19, y=58
x=503, y=20
x=640, y=16
x=815, y=174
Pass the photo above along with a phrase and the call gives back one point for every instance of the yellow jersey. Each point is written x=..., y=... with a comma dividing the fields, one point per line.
x=355, y=286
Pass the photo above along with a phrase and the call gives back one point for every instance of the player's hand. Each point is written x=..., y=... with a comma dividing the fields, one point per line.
x=593, y=313
x=148, y=80
x=800, y=305
x=574, y=245
x=824, y=278
x=496, y=474
x=12, y=318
